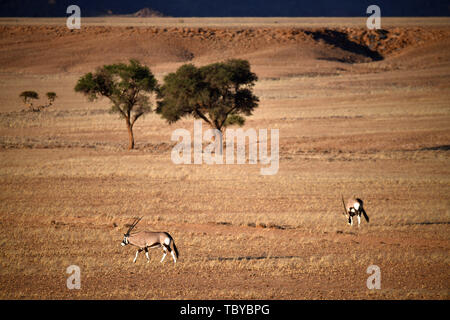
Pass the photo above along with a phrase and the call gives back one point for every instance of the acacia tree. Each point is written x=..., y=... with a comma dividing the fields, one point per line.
x=51, y=96
x=219, y=93
x=127, y=86
x=28, y=97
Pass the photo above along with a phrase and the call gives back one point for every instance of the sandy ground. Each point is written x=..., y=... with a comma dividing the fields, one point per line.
x=359, y=113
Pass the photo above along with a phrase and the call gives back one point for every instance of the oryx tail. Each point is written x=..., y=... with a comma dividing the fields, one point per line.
x=365, y=214
x=175, y=249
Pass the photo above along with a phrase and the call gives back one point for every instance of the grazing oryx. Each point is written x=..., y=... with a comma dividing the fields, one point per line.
x=354, y=207
x=146, y=239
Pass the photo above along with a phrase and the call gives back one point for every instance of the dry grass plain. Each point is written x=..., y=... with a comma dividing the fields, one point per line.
x=379, y=129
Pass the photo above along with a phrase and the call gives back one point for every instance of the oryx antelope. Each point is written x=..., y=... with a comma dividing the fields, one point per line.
x=354, y=207
x=147, y=239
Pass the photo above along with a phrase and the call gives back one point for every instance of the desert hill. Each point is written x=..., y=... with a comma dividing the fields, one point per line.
x=52, y=49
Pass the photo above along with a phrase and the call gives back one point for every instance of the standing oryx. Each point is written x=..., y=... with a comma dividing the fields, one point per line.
x=354, y=207
x=147, y=239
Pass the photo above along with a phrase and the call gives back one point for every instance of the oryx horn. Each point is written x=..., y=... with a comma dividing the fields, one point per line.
x=345, y=208
x=135, y=222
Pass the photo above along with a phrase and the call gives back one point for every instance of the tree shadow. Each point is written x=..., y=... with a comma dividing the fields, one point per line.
x=425, y=223
x=444, y=147
x=341, y=40
x=240, y=258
